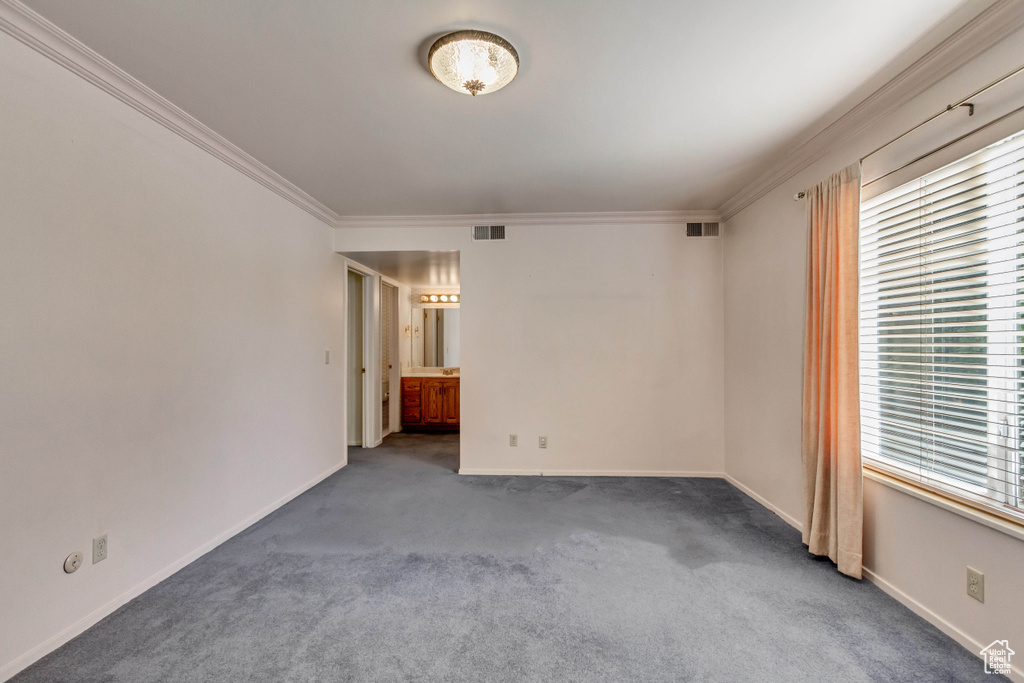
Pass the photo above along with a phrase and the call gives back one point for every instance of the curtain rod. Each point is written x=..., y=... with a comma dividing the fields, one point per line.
x=965, y=102
x=952, y=142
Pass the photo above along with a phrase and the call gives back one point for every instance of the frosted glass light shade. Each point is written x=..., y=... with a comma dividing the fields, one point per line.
x=473, y=62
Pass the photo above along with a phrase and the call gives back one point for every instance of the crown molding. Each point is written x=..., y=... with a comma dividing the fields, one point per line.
x=37, y=32
x=549, y=219
x=32, y=29
x=990, y=26
x=993, y=24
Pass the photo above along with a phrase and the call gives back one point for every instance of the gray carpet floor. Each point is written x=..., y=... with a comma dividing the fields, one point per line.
x=397, y=569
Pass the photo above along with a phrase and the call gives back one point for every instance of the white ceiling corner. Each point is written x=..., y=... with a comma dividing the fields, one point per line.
x=34, y=30
x=990, y=26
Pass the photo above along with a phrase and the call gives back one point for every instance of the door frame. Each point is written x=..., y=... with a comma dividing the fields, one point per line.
x=372, y=423
x=368, y=438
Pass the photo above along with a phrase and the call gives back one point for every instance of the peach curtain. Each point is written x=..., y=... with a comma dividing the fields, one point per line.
x=831, y=399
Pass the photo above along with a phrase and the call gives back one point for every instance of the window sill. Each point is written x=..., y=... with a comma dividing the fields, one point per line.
x=1008, y=523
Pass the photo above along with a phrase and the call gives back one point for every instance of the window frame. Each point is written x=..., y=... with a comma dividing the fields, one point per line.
x=927, y=484
x=1005, y=520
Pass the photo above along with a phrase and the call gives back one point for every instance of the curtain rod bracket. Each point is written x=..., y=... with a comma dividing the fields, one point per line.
x=969, y=105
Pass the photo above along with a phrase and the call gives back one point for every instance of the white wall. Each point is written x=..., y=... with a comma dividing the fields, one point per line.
x=912, y=548
x=419, y=334
x=162, y=378
x=606, y=339
x=405, y=328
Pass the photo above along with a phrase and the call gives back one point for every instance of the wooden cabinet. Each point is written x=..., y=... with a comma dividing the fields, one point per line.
x=433, y=402
x=450, y=403
x=430, y=402
x=412, y=406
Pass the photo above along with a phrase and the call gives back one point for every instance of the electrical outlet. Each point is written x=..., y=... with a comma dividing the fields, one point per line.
x=513, y=439
x=99, y=548
x=976, y=584
x=542, y=442
x=73, y=562
x=327, y=357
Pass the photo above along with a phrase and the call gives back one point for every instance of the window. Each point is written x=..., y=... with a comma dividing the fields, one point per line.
x=942, y=328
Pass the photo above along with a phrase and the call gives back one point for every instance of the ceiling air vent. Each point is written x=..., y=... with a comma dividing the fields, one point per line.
x=702, y=229
x=488, y=232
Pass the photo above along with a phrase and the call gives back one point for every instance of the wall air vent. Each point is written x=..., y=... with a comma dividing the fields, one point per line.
x=488, y=232
x=702, y=229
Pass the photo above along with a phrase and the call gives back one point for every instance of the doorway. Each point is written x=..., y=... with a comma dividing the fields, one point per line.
x=395, y=387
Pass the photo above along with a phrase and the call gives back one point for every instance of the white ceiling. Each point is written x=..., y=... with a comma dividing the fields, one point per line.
x=646, y=105
x=413, y=268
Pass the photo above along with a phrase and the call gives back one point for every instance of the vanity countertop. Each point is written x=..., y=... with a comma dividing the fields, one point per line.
x=429, y=372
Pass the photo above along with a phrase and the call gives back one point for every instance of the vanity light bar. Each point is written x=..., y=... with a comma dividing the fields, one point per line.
x=439, y=298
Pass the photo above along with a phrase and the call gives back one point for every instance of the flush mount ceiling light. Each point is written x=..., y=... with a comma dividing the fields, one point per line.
x=472, y=62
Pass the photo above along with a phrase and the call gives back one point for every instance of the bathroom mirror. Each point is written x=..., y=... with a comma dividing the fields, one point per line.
x=435, y=337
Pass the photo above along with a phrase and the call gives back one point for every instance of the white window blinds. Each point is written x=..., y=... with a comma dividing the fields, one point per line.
x=942, y=327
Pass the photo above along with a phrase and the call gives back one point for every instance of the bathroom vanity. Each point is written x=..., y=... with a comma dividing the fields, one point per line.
x=430, y=400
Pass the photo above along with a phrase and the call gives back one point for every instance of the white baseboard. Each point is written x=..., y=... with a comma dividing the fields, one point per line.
x=972, y=645
x=22, y=662
x=590, y=473
x=789, y=519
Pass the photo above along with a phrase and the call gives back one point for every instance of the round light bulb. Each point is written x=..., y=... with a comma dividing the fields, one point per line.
x=433, y=298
